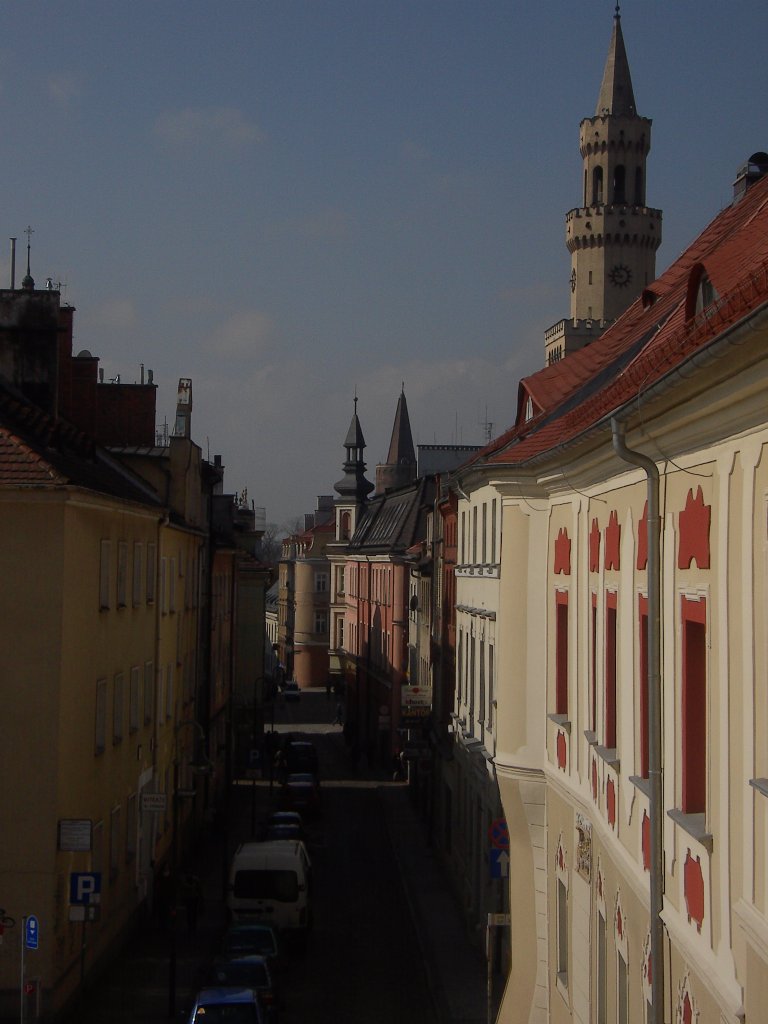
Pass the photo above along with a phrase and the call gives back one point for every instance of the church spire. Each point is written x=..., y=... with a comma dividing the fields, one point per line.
x=616, y=95
x=400, y=467
x=353, y=487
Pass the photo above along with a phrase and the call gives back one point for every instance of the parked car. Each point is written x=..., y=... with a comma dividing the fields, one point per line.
x=291, y=690
x=223, y=1005
x=247, y=971
x=301, y=756
x=252, y=939
x=301, y=792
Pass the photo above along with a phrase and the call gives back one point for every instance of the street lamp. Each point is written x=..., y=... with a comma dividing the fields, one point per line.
x=200, y=766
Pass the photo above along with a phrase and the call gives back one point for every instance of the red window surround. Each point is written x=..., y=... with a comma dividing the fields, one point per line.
x=694, y=706
x=593, y=666
x=610, y=670
x=561, y=653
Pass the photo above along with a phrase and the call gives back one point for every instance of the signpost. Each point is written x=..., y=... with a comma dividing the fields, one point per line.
x=30, y=939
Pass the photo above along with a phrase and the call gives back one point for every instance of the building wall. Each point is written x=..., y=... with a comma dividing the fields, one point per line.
x=62, y=651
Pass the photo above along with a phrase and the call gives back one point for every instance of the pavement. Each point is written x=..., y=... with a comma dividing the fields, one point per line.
x=140, y=986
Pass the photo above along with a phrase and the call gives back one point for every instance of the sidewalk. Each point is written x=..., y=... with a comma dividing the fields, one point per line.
x=456, y=971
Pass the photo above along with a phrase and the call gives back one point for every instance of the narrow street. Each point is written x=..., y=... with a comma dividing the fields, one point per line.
x=363, y=962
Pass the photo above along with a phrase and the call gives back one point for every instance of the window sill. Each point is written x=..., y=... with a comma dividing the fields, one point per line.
x=561, y=720
x=694, y=825
x=761, y=785
x=609, y=755
x=590, y=737
x=644, y=785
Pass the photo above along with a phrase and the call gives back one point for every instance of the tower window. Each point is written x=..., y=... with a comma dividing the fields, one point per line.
x=597, y=186
x=619, y=184
x=639, y=197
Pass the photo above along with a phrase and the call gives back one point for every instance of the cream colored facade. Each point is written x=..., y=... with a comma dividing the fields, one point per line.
x=574, y=795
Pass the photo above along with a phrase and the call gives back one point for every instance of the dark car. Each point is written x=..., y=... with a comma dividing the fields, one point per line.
x=301, y=792
x=227, y=1006
x=247, y=971
x=301, y=756
x=252, y=939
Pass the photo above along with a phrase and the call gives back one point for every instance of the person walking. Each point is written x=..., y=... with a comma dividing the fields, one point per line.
x=339, y=717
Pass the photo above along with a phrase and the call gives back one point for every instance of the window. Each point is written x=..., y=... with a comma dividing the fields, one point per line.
x=460, y=669
x=117, y=708
x=484, y=550
x=169, y=697
x=463, y=535
x=138, y=558
x=471, y=680
x=172, y=586
x=321, y=582
x=122, y=574
x=593, y=666
x=491, y=688
x=493, y=531
x=622, y=1003
x=151, y=572
x=340, y=631
x=474, y=535
x=104, y=574
x=481, y=711
x=619, y=184
x=694, y=706
x=101, y=716
x=610, y=672
x=602, y=974
x=561, y=653
x=131, y=828
x=321, y=622
x=133, y=699
x=597, y=186
x=643, y=621
x=163, y=585
x=562, y=933
x=114, y=842
x=149, y=690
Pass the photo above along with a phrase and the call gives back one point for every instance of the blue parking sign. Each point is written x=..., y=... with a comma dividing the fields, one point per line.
x=31, y=932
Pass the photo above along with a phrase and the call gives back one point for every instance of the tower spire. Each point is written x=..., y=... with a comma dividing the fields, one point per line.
x=400, y=467
x=616, y=94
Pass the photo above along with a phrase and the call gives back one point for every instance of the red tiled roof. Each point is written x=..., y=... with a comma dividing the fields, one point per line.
x=653, y=336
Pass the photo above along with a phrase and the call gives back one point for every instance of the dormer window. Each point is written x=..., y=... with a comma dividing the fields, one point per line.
x=706, y=294
x=528, y=409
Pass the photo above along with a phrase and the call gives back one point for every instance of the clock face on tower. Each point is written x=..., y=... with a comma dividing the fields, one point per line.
x=620, y=275
x=573, y=280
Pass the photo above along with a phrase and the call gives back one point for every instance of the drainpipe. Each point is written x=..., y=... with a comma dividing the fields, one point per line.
x=654, y=715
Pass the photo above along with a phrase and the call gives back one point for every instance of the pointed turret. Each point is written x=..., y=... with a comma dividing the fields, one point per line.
x=616, y=95
x=353, y=488
x=400, y=467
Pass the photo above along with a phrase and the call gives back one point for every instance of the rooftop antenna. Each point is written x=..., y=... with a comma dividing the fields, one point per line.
x=28, y=281
x=13, y=264
x=487, y=426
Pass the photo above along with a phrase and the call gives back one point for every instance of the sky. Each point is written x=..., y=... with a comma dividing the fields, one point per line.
x=293, y=202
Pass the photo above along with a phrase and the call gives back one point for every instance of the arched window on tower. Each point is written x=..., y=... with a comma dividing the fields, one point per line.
x=639, y=197
x=597, y=186
x=619, y=184
x=344, y=525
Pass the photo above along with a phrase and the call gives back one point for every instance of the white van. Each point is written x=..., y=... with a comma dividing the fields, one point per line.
x=270, y=882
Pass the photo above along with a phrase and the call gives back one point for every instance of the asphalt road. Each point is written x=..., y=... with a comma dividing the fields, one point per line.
x=362, y=963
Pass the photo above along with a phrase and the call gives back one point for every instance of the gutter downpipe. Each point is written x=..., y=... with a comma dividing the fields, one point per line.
x=654, y=715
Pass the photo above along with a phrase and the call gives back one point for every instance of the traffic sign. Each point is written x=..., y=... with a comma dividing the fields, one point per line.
x=84, y=887
x=498, y=863
x=498, y=834
x=155, y=803
x=31, y=932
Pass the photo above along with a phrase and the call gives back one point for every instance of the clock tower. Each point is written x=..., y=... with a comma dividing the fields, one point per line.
x=613, y=236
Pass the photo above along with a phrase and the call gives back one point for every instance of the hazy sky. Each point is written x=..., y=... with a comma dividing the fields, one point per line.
x=289, y=201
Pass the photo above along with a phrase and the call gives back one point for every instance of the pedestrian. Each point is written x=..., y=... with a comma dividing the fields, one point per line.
x=339, y=718
x=192, y=892
x=328, y=688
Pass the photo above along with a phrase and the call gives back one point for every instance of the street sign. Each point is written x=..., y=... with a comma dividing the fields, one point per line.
x=31, y=932
x=84, y=887
x=498, y=834
x=498, y=863
x=75, y=835
x=155, y=803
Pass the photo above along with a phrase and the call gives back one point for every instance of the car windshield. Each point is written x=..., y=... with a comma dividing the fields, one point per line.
x=250, y=940
x=250, y=974
x=270, y=884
